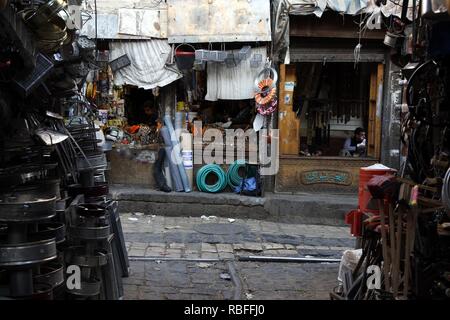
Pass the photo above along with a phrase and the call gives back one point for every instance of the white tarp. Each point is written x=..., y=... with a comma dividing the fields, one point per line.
x=148, y=68
x=317, y=7
x=234, y=83
x=352, y=7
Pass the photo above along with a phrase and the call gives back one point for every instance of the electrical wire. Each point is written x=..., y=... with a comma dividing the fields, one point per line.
x=204, y=171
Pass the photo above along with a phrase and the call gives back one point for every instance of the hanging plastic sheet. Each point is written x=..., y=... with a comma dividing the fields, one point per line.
x=148, y=68
x=176, y=154
x=177, y=184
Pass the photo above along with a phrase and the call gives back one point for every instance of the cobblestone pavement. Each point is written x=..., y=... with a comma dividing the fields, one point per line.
x=177, y=280
x=181, y=280
x=213, y=245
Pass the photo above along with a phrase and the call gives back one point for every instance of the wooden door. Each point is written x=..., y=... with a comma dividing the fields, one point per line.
x=288, y=123
x=375, y=108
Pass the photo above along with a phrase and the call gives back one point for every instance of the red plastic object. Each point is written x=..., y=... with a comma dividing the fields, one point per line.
x=364, y=195
x=354, y=218
x=184, y=53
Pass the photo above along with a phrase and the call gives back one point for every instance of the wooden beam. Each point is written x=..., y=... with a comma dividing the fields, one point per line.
x=330, y=26
x=371, y=130
x=288, y=123
x=379, y=106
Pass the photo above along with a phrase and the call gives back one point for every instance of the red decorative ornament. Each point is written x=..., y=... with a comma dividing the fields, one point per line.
x=267, y=109
x=266, y=100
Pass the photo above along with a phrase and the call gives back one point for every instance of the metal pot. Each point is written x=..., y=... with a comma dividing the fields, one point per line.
x=391, y=39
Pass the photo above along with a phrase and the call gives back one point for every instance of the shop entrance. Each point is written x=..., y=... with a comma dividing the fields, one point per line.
x=333, y=103
x=322, y=103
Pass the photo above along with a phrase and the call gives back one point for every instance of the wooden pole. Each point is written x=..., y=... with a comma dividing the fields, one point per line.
x=393, y=248
x=386, y=258
x=398, y=247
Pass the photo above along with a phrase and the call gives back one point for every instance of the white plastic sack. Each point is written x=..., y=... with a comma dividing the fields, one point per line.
x=349, y=261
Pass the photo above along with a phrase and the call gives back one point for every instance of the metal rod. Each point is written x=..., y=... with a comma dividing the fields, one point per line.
x=286, y=259
x=174, y=259
x=241, y=258
x=235, y=279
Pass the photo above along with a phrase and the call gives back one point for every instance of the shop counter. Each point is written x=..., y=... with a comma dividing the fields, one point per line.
x=132, y=165
x=320, y=174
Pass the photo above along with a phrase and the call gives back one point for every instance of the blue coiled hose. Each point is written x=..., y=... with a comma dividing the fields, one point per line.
x=203, y=173
x=234, y=179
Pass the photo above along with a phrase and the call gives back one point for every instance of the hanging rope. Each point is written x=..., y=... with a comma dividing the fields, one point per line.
x=357, y=51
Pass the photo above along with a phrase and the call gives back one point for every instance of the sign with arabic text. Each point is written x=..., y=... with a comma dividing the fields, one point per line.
x=326, y=176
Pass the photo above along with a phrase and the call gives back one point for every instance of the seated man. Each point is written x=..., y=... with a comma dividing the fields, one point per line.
x=355, y=146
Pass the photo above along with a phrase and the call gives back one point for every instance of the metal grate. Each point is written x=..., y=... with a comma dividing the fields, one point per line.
x=120, y=63
x=27, y=83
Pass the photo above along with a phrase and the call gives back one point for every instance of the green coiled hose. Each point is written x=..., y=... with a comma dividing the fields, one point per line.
x=203, y=173
x=234, y=179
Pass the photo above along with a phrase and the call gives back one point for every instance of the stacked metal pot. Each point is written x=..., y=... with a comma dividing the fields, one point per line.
x=55, y=213
x=31, y=231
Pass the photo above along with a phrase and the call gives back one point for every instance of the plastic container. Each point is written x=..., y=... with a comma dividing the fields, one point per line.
x=179, y=120
x=185, y=57
x=256, y=60
x=180, y=106
x=245, y=53
x=192, y=115
x=187, y=155
x=202, y=55
x=365, y=174
x=217, y=56
x=230, y=61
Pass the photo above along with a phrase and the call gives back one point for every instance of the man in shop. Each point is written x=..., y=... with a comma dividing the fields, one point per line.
x=356, y=145
x=150, y=113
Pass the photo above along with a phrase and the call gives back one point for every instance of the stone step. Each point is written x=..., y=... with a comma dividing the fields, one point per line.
x=320, y=209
